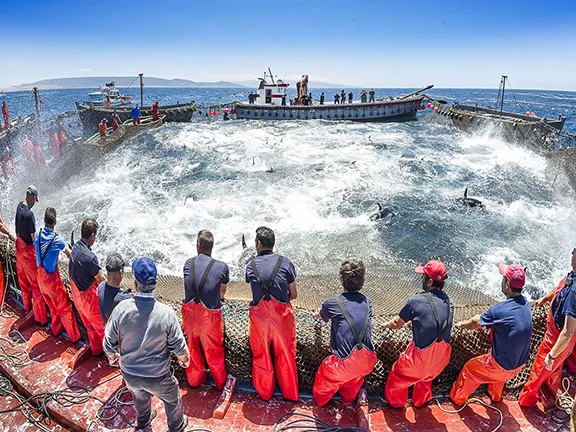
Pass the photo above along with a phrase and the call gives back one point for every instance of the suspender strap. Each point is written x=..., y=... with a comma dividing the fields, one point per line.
x=268, y=285
x=559, y=319
x=441, y=325
x=43, y=255
x=359, y=337
x=198, y=287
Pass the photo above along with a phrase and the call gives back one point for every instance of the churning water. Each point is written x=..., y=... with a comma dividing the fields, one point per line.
x=326, y=180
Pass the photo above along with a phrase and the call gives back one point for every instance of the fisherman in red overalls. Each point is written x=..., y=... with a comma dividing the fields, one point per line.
x=155, y=111
x=116, y=122
x=103, y=128
x=7, y=163
x=205, y=281
x=431, y=314
x=26, y=257
x=6, y=115
x=558, y=344
x=272, y=278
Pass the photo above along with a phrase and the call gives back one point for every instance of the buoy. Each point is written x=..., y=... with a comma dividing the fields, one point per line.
x=437, y=109
x=429, y=105
x=527, y=113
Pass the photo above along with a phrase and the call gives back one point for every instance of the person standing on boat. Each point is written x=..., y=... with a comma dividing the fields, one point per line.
x=350, y=97
x=322, y=99
x=272, y=278
x=205, y=281
x=343, y=97
x=61, y=131
x=431, y=314
x=336, y=98
x=26, y=257
x=141, y=335
x=103, y=128
x=135, y=114
x=510, y=325
x=48, y=246
x=6, y=115
x=559, y=342
x=109, y=293
x=7, y=163
x=116, y=122
x=371, y=94
x=85, y=276
x=350, y=315
x=155, y=111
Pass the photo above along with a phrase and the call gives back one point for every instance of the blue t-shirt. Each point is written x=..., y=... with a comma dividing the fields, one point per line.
x=108, y=299
x=342, y=340
x=210, y=293
x=511, y=325
x=83, y=268
x=265, y=263
x=135, y=112
x=25, y=223
x=424, y=327
x=567, y=298
x=45, y=235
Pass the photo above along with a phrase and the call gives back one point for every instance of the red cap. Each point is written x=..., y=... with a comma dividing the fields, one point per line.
x=434, y=269
x=514, y=273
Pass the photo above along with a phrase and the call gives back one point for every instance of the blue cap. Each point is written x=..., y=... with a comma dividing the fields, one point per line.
x=144, y=271
x=33, y=190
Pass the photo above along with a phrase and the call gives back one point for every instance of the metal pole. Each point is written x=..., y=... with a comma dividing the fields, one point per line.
x=141, y=91
x=502, y=100
x=36, y=103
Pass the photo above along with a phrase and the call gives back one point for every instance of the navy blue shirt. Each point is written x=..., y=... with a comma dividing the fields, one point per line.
x=82, y=270
x=567, y=298
x=210, y=292
x=135, y=112
x=511, y=325
x=41, y=242
x=108, y=299
x=25, y=223
x=265, y=263
x=342, y=340
x=424, y=328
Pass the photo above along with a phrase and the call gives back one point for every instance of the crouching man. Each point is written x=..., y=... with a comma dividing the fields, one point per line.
x=350, y=315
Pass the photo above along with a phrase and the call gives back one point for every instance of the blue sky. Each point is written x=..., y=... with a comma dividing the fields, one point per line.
x=374, y=43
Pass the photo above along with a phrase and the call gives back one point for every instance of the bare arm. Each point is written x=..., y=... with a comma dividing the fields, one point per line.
x=4, y=229
x=471, y=324
x=223, y=291
x=395, y=323
x=292, y=291
x=546, y=299
x=564, y=339
x=67, y=251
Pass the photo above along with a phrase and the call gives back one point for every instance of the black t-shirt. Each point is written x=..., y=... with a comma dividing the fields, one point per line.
x=25, y=223
x=210, y=293
x=265, y=264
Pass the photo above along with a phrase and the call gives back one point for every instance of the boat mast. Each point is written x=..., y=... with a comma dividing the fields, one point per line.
x=36, y=103
x=271, y=77
x=503, y=82
x=141, y=91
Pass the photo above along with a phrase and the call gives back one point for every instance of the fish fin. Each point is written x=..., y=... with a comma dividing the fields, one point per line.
x=244, y=245
x=72, y=242
x=466, y=192
x=379, y=206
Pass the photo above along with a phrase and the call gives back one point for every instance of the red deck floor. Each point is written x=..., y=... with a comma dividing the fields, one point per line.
x=49, y=371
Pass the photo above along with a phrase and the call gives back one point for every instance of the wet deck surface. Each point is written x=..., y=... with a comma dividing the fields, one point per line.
x=49, y=372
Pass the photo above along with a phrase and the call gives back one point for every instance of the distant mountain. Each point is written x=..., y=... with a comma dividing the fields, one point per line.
x=311, y=84
x=96, y=82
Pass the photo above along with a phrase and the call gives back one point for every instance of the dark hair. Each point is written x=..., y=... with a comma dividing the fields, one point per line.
x=50, y=216
x=266, y=237
x=435, y=284
x=352, y=273
x=89, y=227
x=206, y=241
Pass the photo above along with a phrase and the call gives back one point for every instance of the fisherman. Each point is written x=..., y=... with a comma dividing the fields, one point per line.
x=510, y=324
x=322, y=99
x=371, y=94
x=205, y=281
x=26, y=257
x=336, y=98
x=116, y=122
x=135, y=114
x=342, y=96
x=54, y=141
x=350, y=97
x=6, y=115
x=155, y=111
x=61, y=131
x=103, y=128
x=109, y=292
x=143, y=333
x=350, y=315
x=38, y=156
x=310, y=99
x=284, y=99
x=431, y=314
x=7, y=163
x=85, y=276
x=48, y=246
x=4, y=229
x=272, y=278
x=363, y=96
x=251, y=98
x=558, y=344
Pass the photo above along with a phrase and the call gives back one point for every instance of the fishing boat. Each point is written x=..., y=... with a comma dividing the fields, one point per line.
x=538, y=133
x=127, y=129
x=270, y=104
x=108, y=95
x=91, y=115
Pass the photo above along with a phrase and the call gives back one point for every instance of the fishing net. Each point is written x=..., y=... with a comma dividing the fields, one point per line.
x=388, y=288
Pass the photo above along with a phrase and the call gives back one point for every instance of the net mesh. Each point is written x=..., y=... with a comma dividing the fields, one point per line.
x=388, y=287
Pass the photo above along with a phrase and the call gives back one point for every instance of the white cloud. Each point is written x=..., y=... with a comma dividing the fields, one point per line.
x=85, y=70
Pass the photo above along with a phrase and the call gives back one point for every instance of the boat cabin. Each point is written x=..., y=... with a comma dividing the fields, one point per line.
x=270, y=91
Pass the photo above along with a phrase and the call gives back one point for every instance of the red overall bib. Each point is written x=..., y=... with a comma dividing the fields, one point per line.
x=28, y=281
